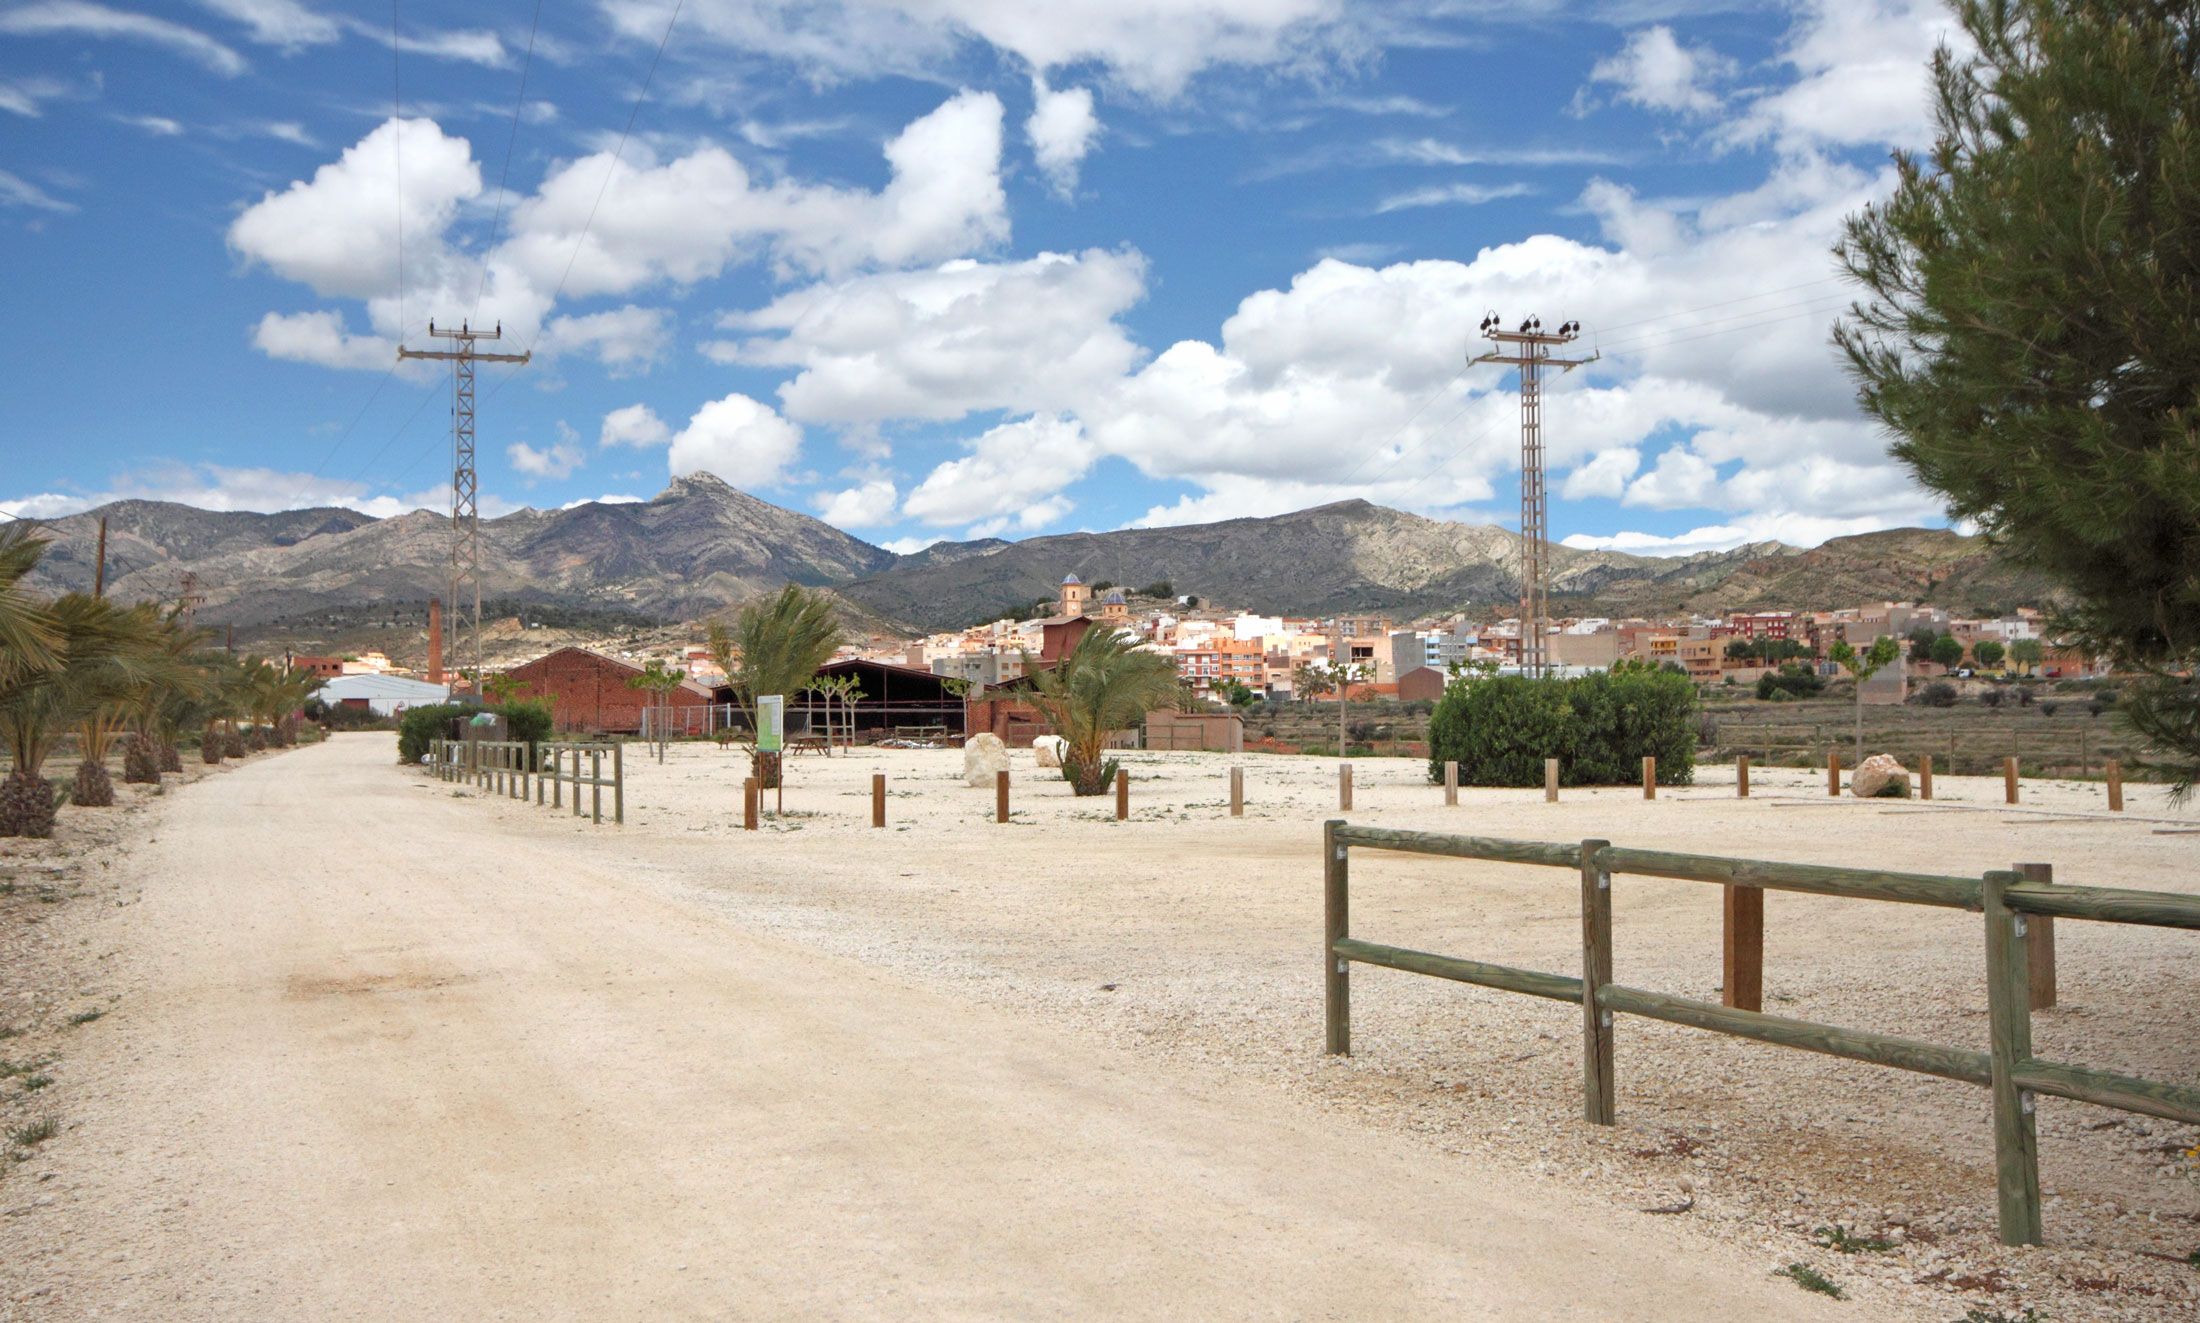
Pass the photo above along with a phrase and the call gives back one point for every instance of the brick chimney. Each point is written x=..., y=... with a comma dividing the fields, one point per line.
x=435, y=640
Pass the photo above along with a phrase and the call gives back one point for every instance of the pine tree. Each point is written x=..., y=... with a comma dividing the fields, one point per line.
x=2031, y=333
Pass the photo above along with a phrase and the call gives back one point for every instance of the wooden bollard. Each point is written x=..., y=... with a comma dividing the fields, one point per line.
x=1550, y=780
x=1122, y=795
x=748, y=804
x=1000, y=795
x=2039, y=940
x=1833, y=775
x=878, y=799
x=2115, y=771
x=1451, y=785
x=1742, y=948
x=1237, y=792
x=2009, y=779
x=1649, y=778
x=1741, y=776
x=1925, y=777
x=1344, y=786
x=618, y=784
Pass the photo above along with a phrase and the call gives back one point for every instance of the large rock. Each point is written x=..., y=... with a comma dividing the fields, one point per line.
x=1880, y=775
x=1049, y=750
x=984, y=756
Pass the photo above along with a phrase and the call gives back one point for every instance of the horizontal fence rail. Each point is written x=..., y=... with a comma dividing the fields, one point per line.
x=514, y=767
x=2014, y=1076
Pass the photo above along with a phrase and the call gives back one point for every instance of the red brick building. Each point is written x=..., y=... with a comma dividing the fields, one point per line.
x=589, y=691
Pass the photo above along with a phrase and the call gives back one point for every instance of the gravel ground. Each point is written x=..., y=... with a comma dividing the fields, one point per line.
x=1190, y=936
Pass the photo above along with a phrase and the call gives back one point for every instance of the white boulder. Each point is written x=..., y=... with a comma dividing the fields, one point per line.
x=1875, y=774
x=1049, y=750
x=984, y=756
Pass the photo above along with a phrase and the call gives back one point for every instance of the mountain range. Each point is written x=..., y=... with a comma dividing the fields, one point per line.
x=701, y=545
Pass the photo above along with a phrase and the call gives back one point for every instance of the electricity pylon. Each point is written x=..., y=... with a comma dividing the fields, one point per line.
x=465, y=568
x=1529, y=349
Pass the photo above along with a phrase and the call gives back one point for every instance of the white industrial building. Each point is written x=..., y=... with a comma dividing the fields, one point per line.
x=385, y=695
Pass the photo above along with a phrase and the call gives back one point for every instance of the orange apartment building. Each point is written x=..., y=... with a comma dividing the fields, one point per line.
x=1211, y=666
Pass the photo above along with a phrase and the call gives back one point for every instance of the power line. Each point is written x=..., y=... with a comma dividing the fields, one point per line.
x=397, y=153
x=1439, y=392
x=519, y=101
x=618, y=154
x=1707, y=307
x=1810, y=308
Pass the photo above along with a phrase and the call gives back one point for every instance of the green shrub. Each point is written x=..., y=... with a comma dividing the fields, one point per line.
x=422, y=724
x=1937, y=694
x=526, y=719
x=1792, y=680
x=1599, y=726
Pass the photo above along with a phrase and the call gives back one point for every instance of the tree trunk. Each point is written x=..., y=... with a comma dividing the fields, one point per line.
x=140, y=761
x=27, y=805
x=94, y=787
x=171, y=760
x=765, y=768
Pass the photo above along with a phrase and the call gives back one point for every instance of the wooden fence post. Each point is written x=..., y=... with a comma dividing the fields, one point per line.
x=1336, y=975
x=1237, y=792
x=595, y=786
x=535, y=759
x=1833, y=775
x=1344, y=787
x=1000, y=795
x=1649, y=778
x=2115, y=771
x=748, y=803
x=1122, y=795
x=2009, y=779
x=1550, y=780
x=1925, y=777
x=2039, y=941
x=2009, y=1032
x=618, y=784
x=878, y=799
x=1742, y=947
x=557, y=778
x=1597, y=1103
x=1741, y=776
x=1451, y=785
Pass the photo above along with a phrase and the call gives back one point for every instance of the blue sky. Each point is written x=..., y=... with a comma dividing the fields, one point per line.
x=950, y=268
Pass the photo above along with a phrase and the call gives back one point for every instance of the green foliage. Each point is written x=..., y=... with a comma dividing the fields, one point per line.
x=1599, y=726
x=1792, y=680
x=1099, y=688
x=527, y=719
x=2031, y=326
x=1810, y=1279
x=420, y=725
x=2027, y=653
x=1988, y=652
x=1158, y=588
x=1838, y=1237
x=1947, y=651
x=1765, y=652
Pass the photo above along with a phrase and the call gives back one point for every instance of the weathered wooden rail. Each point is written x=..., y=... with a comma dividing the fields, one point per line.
x=513, y=767
x=2009, y=903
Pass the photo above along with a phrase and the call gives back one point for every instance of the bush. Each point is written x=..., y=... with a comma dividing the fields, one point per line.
x=1991, y=698
x=1937, y=694
x=1599, y=726
x=527, y=719
x=422, y=724
x=1792, y=680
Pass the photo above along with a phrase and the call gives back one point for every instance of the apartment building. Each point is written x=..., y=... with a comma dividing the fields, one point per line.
x=1209, y=668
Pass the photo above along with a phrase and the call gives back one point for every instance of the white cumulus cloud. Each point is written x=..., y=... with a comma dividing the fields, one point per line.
x=1061, y=129
x=741, y=440
x=635, y=425
x=865, y=505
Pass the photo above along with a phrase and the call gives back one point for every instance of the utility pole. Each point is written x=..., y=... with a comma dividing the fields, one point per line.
x=1529, y=349
x=99, y=575
x=465, y=568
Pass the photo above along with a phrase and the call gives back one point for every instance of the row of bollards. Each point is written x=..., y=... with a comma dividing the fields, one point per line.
x=751, y=797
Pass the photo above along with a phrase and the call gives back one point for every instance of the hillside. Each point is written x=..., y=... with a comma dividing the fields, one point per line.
x=1348, y=556
x=702, y=545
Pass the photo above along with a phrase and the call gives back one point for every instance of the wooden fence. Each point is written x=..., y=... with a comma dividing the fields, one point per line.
x=2009, y=902
x=512, y=767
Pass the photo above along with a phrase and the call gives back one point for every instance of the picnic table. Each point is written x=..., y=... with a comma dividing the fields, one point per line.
x=809, y=744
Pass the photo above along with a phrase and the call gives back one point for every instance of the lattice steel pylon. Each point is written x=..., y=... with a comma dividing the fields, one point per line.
x=465, y=567
x=1530, y=351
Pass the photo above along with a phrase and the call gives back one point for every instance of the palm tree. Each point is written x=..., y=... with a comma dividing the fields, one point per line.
x=775, y=646
x=105, y=650
x=30, y=641
x=102, y=694
x=1098, y=689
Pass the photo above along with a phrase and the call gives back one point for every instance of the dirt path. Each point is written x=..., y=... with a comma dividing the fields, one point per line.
x=382, y=1058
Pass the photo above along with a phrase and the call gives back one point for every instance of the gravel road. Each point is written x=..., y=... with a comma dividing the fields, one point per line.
x=380, y=1054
